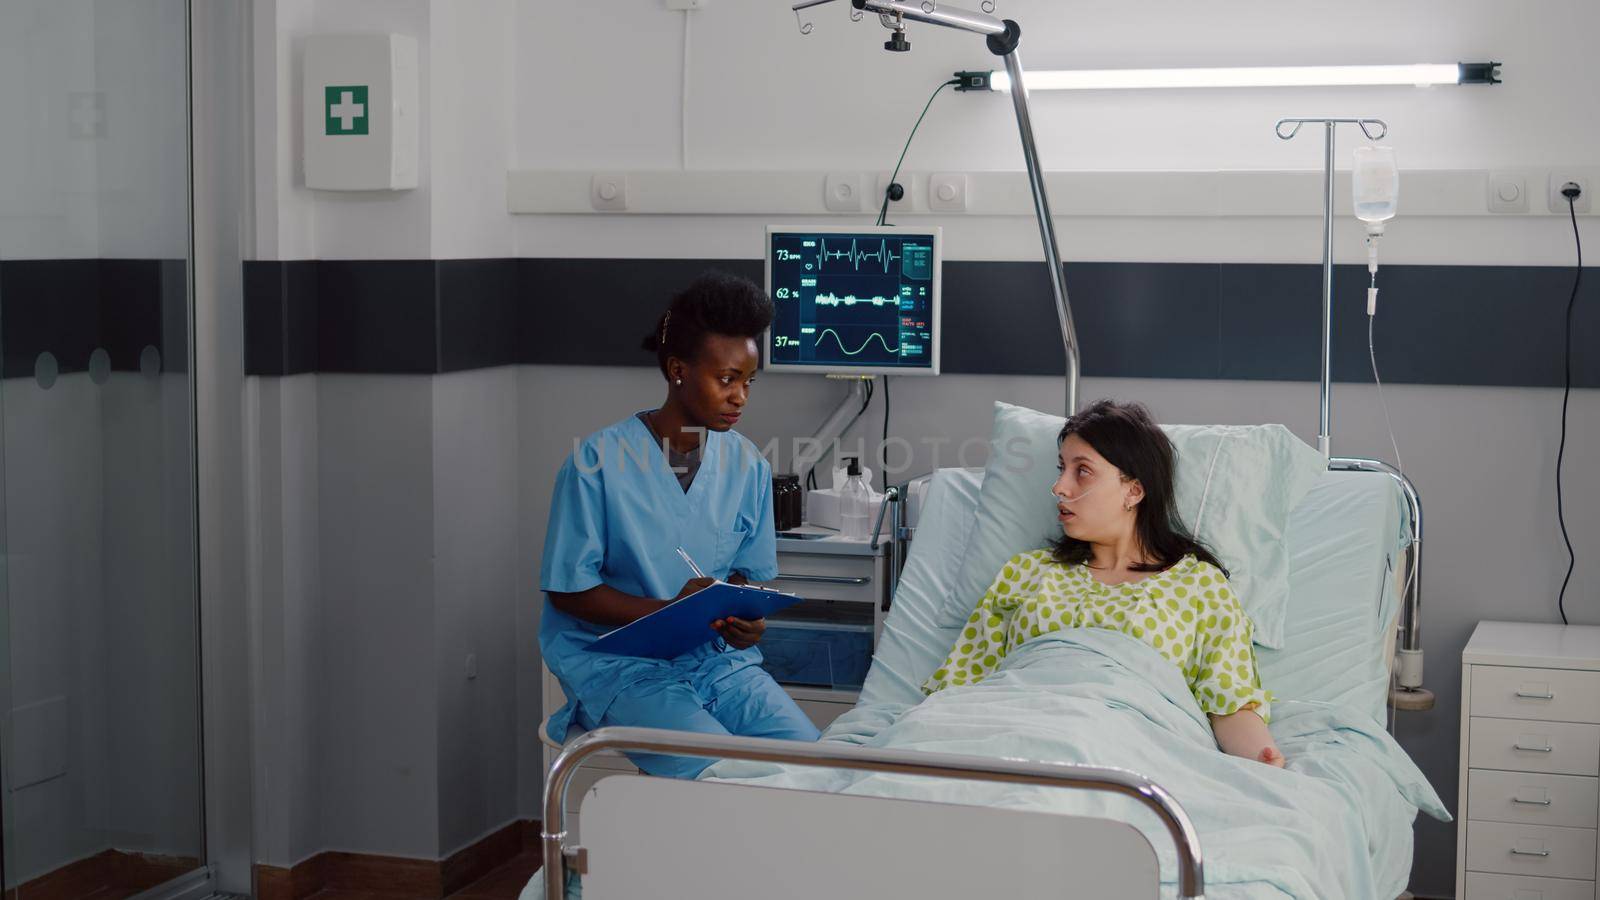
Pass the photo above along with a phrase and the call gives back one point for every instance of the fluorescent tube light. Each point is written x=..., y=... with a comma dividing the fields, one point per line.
x=1235, y=77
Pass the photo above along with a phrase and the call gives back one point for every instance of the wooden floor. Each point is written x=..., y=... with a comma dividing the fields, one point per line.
x=504, y=883
x=108, y=875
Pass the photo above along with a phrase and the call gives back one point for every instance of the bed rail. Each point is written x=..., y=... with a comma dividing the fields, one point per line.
x=1409, y=694
x=831, y=754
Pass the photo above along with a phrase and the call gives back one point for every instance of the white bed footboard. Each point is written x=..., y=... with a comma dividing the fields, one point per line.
x=655, y=837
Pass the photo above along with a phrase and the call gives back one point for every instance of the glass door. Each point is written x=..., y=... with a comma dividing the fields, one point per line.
x=99, y=675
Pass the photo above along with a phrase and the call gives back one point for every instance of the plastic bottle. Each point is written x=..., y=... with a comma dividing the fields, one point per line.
x=1375, y=194
x=1375, y=186
x=855, y=504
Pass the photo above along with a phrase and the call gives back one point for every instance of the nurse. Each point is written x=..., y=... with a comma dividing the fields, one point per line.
x=627, y=497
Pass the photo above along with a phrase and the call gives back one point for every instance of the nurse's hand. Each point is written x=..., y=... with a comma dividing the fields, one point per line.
x=692, y=585
x=741, y=634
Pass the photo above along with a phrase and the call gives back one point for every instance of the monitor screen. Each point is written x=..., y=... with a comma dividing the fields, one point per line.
x=853, y=300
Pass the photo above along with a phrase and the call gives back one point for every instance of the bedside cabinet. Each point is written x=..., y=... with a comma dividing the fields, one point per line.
x=1530, y=763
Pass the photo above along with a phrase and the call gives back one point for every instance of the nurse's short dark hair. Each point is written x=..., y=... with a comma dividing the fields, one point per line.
x=714, y=303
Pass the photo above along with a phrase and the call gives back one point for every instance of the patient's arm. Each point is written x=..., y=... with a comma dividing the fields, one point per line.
x=1244, y=734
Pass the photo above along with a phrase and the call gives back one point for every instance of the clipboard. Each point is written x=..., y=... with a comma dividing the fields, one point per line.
x=679, y=627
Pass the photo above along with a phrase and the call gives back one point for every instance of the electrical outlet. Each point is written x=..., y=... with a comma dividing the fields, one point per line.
x=1583, y=178
x=947, y=192
x=608, y=192
x=1508, y=192
x=906, y=203
x=841, y=192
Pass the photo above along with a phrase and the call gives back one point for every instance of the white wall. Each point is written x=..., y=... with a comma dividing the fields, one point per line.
x=286, y=622
x=384, y=512
x=472, y=127
x=598, y=86
x=385, y=507
x=376, y=742
x=457, y=210
x=475, y=473
x=763, y=97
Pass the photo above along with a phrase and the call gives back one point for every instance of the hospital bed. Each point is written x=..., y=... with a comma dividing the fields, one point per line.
x=858, y=814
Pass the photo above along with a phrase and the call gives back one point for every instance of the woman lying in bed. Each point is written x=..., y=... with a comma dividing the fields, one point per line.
x=1126, y=563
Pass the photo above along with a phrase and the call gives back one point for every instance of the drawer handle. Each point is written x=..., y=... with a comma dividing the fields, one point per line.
x=823, y=579
x=1530, y=802
x=1516, y=852
x=1544, y=696
x=1544, y=749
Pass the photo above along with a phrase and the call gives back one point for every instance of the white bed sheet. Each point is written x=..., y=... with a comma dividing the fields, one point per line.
x=1345, y=540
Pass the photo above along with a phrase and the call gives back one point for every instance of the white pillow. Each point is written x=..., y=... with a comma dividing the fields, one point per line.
x=1236, y=485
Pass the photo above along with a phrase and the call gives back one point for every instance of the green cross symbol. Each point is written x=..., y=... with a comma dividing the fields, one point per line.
x=345, y=109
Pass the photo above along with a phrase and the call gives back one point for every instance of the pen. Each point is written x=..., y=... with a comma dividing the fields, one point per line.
x=697, y=572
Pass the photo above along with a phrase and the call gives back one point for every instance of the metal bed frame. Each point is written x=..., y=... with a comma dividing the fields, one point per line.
x=558, y=856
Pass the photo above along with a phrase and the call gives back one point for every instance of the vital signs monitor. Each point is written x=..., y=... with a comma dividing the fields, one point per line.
x=853, y=301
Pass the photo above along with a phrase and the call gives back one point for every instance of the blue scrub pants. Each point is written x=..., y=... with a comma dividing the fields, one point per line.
x=747, y=703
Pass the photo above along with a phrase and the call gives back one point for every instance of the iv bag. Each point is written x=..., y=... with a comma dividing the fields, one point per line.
x=1375, y=185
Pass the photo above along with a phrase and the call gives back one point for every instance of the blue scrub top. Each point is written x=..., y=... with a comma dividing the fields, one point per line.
x=616, y=517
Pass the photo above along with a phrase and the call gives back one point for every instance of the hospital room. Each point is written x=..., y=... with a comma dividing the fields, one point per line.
x=614, y=449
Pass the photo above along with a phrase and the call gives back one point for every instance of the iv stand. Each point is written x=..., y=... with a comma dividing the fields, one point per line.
x=1003, y=37
x=1329, y=125
x=1407, y=692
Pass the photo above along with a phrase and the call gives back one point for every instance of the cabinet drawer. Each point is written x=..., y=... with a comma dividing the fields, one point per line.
x=1544, y=850
x=1532, y=799
x=1483, y=886
x=1550, y=695
x=1561, y=748
x=816, y=577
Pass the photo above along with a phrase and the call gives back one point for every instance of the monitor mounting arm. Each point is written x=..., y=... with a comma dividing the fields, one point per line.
x=1002, y=37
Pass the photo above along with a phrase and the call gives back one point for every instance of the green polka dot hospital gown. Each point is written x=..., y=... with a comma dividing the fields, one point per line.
x=1187, y=613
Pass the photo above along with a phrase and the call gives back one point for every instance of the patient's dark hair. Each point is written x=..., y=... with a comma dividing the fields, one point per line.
x=1126, y=435
x=714, y=303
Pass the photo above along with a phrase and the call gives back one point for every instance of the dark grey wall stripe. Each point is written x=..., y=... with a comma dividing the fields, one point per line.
x=280, y=317
x=71, y=307
x=1466, y=325
x=597, y=311
x=478, y=323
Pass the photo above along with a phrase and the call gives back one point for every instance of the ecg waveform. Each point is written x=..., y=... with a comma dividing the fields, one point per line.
x=856, y=352
x=852, y=300
x=883, y=255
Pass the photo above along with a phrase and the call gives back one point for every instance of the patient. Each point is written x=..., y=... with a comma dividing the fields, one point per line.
x=1126, y=563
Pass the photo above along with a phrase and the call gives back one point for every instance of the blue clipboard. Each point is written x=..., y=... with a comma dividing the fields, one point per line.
x=682, y=626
